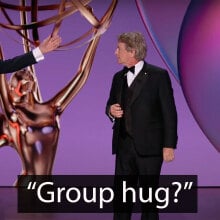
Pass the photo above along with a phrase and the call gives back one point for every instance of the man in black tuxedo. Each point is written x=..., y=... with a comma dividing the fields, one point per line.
x=34, y=56
x=142, y=107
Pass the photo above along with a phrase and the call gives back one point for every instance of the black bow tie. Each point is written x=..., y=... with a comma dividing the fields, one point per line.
x=131, y=69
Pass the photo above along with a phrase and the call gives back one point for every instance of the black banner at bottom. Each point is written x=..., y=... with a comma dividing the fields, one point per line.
x=107, y=194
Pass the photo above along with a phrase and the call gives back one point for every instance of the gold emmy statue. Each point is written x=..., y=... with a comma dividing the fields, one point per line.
x=29, y=124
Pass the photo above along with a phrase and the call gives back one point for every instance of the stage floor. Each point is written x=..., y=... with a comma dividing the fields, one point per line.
x=208, y=209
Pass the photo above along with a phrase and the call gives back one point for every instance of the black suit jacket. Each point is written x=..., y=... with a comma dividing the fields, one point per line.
x=151, y=110
x=17, y=63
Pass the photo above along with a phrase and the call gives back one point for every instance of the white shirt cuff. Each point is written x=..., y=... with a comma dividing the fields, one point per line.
x=111, y=117
x=37, y=54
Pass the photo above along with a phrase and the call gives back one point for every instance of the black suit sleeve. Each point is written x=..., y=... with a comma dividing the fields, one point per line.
x=168, y=111
x=112, y=97
x=17, y=63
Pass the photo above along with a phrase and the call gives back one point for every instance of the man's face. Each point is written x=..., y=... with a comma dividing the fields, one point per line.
x=122, y=54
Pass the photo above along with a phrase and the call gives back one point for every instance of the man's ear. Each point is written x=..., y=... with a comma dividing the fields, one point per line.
x=133, y=53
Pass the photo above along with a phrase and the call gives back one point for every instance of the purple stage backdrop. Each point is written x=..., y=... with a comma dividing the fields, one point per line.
x=85, y=140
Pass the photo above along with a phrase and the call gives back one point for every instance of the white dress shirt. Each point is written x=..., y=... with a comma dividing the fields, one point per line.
x=131, y=76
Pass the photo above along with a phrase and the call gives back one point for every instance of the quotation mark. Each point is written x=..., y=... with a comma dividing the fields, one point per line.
x=32, y=185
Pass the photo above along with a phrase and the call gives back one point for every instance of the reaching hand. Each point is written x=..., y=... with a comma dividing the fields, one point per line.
x=50, y=44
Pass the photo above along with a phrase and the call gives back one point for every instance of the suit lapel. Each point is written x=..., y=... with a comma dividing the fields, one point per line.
x=139, y=82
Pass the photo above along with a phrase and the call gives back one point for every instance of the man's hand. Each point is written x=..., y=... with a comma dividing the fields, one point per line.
x=116, y=111
x=50, y=44
x=168, y=154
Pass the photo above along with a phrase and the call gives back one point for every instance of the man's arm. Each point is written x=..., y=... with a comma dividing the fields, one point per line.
x=112, y=107
x=17, y=63
x=22, y=61
x=169, y=117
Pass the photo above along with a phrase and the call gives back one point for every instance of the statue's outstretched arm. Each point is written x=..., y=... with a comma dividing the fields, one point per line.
x=65, y=96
